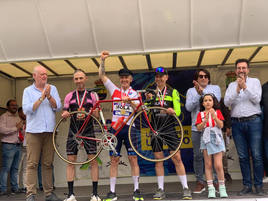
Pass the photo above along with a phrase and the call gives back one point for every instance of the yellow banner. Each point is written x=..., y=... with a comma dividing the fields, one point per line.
x=146, y=139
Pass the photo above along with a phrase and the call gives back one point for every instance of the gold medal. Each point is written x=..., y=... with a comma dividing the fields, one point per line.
x=81, y=116
x=123, y=111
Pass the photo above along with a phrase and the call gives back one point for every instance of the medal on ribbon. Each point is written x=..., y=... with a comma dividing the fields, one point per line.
x=161, y=96
x=81, y=116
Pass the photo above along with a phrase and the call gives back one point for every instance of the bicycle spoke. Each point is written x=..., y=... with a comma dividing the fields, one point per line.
x=66, y=135
x=166, y=136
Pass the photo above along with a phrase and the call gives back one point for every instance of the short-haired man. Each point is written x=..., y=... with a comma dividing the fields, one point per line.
x=40, y=102
x=243, y=96
x=201, y=86
x=80, y=100
x=11, y=147
x=169, y=98
x=121, y=110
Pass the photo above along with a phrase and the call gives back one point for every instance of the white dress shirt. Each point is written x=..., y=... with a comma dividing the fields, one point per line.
x=245, y=103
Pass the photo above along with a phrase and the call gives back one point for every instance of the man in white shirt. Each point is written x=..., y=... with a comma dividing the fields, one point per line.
x=244, y=96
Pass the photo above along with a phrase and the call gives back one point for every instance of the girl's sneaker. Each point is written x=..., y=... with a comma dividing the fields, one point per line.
x=211, y=192
x=222, y=190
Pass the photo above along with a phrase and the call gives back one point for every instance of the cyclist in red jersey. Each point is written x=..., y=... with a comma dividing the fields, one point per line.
x=121, y=110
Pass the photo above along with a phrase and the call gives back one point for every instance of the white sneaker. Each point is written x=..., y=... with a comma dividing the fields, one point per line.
x=71, y=198
x=94, y=198
x=265, y=180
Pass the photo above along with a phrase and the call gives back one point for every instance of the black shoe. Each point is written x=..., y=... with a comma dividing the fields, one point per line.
x=18, y=191
x=111, y=196
x=3, y=193
x=228, y=177
x=259, y=191
x=31, y=198
x=52, y=197
x=246, y=190
x=137, y=195
x=24, y=190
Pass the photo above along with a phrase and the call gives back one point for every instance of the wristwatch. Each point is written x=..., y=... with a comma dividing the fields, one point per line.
x=41, y=99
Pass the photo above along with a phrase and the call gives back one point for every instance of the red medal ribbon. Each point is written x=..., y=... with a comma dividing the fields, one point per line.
x=129, y=90
x=80, y=104
x=161, y=97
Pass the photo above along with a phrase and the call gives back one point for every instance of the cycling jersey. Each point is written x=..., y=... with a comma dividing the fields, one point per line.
x=70, y=101
x=120, y=109
x=87, y=100
x=168, y=98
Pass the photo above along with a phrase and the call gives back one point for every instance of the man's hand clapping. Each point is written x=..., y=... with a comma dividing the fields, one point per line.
x=47, y=91
x=241, y=82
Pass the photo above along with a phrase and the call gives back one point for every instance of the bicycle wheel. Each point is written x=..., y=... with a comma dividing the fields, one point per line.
x=166, y=136
x=86, y=145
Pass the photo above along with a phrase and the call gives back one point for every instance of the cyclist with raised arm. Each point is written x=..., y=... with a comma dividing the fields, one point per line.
x=80, y=100
x=121, y=110
x=167, y=97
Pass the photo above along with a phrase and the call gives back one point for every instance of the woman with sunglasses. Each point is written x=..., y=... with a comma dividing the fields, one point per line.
x=201, y=86
x=167, y=97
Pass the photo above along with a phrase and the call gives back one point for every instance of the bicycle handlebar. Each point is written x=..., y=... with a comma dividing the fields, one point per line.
x=93, y=89
x=151, y=101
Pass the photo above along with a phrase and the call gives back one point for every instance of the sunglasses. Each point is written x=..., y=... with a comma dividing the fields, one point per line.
x=203, y=76
x=159, y=70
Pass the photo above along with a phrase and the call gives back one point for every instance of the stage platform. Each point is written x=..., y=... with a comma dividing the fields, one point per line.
x=124, y=192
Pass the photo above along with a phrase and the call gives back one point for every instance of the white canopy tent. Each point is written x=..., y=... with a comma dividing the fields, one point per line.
x=64, y=35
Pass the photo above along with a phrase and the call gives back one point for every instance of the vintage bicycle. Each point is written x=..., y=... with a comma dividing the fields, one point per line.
x=151, y=127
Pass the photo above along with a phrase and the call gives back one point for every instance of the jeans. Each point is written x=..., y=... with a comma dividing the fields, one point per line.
x=248, y=137
x=22, y=168
x=39, y=174
x=11, y=154
x=265, y=162
x=198, y=156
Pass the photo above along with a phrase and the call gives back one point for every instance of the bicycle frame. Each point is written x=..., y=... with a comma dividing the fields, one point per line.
x=98, y=106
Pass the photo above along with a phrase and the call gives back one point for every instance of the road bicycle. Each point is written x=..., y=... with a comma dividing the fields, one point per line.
x=151, y=129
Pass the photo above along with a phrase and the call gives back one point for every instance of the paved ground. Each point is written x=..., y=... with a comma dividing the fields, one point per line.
x=124, y=192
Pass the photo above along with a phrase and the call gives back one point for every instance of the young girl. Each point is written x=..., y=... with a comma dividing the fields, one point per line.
x=210, y=122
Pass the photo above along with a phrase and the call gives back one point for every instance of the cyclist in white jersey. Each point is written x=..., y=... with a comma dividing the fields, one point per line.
x=121, y=110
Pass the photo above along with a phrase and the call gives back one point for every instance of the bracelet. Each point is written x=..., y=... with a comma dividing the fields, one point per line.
x=48, y=98
x=41, y=99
